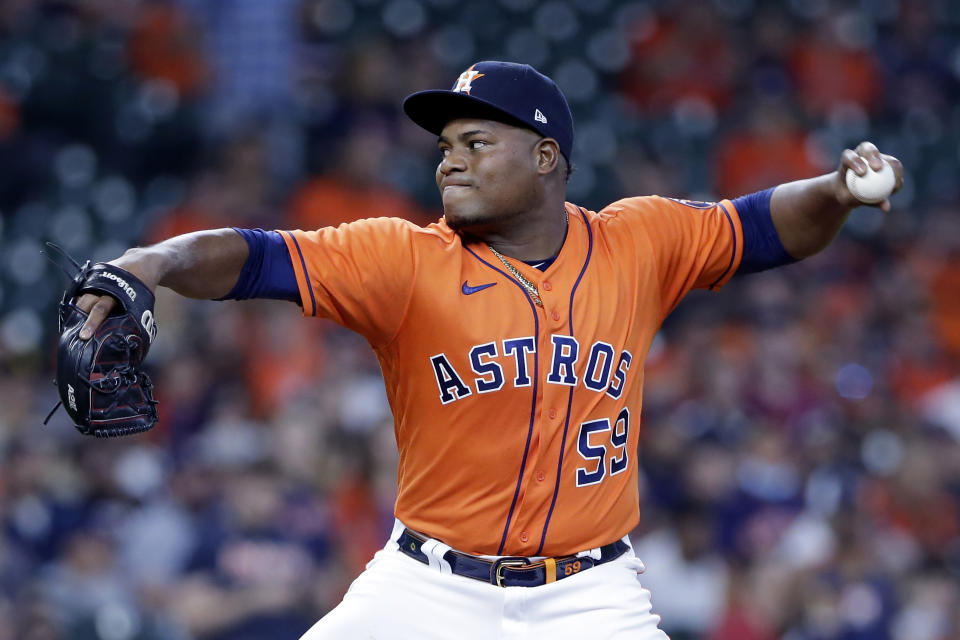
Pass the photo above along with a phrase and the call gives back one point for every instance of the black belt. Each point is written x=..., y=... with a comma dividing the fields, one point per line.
x=511, y=571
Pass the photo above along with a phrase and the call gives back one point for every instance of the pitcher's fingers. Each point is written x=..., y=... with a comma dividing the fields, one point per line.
x=101, y=309
x=853, y=161
x=871, y=154
x=86, y=301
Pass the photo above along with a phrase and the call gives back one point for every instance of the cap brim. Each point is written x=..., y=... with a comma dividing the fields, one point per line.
x=433, y=109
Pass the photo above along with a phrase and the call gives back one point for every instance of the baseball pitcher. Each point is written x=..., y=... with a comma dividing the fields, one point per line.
x=511, y=335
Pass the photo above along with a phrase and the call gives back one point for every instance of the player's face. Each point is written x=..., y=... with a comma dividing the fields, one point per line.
x=488, y=173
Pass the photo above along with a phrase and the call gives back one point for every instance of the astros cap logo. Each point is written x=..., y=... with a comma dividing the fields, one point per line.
x=517, y=92
x=463, y=82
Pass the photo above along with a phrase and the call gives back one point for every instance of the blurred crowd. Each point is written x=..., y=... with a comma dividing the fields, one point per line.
x=800, y=459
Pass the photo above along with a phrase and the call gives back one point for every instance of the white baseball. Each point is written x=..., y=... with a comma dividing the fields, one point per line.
x=874, y=186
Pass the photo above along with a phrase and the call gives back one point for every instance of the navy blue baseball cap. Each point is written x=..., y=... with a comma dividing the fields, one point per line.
x=510, y=92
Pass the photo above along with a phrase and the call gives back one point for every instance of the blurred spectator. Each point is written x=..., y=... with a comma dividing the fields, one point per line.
x=164, y=46
x=683, y=54
x=685, y=574
x=235, y=191
x=355, y=187
x=251, y=47
x=833, y=65
x=86, y=581
x=946, y=305
x=770, y=149
x=9, y=116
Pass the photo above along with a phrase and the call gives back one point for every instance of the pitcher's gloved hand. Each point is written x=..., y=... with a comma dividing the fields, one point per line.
x=101, y=382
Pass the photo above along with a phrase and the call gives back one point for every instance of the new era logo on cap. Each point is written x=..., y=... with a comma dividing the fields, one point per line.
x=514, y=93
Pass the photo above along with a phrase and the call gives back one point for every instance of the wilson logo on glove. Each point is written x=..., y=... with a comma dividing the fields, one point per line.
x=149, y=323
x=71, y=398
x=101, y=382
x=126, y=288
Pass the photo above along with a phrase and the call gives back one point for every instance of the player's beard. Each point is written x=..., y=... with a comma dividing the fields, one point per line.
x=478, y=216
x=478, y=221
x=481, y=212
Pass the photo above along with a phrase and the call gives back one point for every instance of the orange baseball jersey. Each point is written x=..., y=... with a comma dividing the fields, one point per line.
x=517, y=425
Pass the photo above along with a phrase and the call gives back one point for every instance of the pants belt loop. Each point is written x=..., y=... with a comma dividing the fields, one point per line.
x=551, y=569
x=434, y=550
x=398, y=529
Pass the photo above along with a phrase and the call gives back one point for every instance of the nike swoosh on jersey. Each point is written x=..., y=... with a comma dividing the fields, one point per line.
x=468, y=290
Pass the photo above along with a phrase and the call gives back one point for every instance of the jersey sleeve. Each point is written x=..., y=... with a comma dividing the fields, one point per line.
x=695, y=245
x=359, y=274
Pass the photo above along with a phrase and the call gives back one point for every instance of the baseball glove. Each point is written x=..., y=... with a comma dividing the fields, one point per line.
x=101, y=383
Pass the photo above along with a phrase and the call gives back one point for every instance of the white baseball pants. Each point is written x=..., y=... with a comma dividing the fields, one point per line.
x=399, y=598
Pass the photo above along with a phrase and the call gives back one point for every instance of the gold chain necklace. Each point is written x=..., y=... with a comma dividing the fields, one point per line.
x=529, y=286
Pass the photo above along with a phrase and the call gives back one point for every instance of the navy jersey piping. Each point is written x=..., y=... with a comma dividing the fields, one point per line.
x=306, y=274
x=566, y=424
x=533, y=403
x=733, y=254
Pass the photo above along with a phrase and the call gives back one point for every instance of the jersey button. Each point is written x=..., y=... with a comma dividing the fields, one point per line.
x=556, y=316
x=541, y=476
x=547, y=286
x=523, y=536
x=553, y=414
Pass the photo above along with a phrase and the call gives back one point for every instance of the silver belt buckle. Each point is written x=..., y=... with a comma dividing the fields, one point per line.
x=506, y=562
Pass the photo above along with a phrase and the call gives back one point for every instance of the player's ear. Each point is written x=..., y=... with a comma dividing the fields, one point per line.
x=548, y=155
